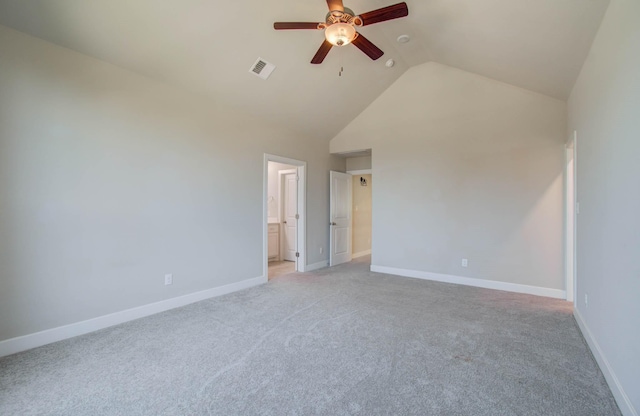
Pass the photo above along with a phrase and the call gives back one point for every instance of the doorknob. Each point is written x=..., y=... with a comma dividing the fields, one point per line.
x=284, y=222
x=332, y=223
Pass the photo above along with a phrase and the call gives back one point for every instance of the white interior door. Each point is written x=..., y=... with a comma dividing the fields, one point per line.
x=290, y=216
x=340, y=218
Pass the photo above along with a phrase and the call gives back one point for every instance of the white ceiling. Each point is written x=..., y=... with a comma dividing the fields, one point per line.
x=208, y=46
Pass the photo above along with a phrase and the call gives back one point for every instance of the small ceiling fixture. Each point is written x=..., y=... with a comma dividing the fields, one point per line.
x=390, y=63
x=403, y=39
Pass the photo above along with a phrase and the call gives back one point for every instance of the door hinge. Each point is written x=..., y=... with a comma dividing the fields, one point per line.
x=297, y=178
x=297, y=216
x=297, y=254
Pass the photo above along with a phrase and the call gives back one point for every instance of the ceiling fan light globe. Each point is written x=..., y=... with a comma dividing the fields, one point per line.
x=340, y=34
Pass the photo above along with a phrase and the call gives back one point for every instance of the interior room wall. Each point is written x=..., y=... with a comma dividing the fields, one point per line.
x=361, y=200
x=273, y=190
x=603, y=108
x=474, y=170
x=109, y=180
x=358, y=163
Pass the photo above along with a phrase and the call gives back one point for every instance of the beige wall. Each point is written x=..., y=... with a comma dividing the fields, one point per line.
x=109, y=180
x=465, y=167
x=359, y=163
x=604, y=109
x=361, y=214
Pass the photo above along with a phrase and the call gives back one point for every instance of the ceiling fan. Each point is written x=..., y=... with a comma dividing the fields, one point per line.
x=340, y=27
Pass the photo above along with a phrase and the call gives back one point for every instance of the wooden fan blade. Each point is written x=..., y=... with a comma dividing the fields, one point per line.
x=335, y=5
x=294, y=25
x=386, y=13
x=322, y=52
x=365, y=45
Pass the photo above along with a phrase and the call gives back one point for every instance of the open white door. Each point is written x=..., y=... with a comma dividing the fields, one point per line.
x=290, y=216
x=340, y=218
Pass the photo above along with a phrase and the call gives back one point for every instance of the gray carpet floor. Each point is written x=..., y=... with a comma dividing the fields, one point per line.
x=338, y=341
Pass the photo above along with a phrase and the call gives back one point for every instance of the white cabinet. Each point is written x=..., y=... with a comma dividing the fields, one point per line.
x=273, y=239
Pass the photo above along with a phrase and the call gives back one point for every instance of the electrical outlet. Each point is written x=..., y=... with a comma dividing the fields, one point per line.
x=168, y=279
x=465, y=262
x=586, y=300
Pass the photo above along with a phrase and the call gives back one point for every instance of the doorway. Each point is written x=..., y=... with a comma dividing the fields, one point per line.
x=350, y=216
x=284, y=216
x=359, y=205
x=362, y=192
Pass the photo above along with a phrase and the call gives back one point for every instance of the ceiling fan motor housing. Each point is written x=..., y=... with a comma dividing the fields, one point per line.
x=348, y=16
x=340, y=28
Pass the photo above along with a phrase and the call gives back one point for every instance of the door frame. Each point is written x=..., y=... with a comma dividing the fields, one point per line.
x=281, y=177
x=571, y=219
x=301, y=167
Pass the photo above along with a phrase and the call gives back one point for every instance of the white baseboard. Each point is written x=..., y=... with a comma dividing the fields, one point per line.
x=38, y=339
x=315, y=266
x=469, y=281
x=621, y=397
x=361, y=254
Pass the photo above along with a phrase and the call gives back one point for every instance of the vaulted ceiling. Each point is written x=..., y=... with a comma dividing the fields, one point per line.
x=208, y=46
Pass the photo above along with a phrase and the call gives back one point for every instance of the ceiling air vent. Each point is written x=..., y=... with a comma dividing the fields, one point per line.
x=262, y=68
